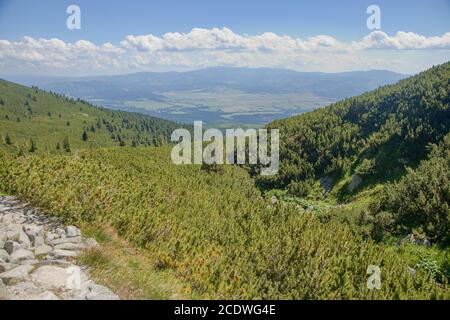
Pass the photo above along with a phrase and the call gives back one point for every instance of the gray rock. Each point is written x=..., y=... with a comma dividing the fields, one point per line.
x=70, y=246
x=16, y=275
x=2, y=244
x=13, y=232
x=50, y=261
x=42, y=250
x=5, y=266
x=3, y=291
x=56, y=277
x=2, y=235
x=90, y=243
x=37, y=241
x=4, y=256
x=30, y=262
x=11, y=246
x=23, y=290
x=58, y=254
x=34, y=231
x=20, y=255
x=23, y=239
x=92, y=291
x=72, y=231
x=60, y=232
x=65, y=240
x=354, y=183
x=49, y=236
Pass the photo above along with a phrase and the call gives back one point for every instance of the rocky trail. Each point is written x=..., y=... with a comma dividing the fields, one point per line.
x=37, y=257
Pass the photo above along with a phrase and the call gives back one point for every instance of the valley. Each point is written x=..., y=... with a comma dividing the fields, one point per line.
x=219, y=95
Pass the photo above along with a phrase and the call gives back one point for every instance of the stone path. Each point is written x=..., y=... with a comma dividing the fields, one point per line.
x=37, y=257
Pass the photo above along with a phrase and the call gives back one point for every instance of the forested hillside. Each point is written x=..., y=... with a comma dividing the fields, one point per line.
x=373, y=135
x=214, y=228
x=37, y=121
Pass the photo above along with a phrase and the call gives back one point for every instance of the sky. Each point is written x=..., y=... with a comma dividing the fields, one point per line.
x=129, y=36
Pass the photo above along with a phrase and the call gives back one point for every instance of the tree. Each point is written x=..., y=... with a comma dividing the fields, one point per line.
x=8, y=140
x=66, y=144
x=84, y=136
x=32, y=146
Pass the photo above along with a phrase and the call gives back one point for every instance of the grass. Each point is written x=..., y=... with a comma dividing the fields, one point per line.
x=129, y=271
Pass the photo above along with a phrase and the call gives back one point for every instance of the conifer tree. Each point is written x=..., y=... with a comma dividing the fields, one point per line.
x=8, y=140
x=32, y=146
x=66, y=144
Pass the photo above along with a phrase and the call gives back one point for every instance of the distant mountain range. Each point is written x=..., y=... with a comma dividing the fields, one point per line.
x=219, y=94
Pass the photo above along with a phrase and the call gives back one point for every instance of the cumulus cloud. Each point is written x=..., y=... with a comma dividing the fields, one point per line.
x=210, y=47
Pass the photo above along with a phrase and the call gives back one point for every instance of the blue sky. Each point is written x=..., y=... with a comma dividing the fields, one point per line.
x=104, y=21
x=112, y=21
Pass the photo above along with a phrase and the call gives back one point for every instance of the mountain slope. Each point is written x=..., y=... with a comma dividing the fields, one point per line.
x=213, y=228
x=51, y=120
x=373, y=135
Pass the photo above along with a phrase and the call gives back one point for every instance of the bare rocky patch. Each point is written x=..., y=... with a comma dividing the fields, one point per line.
x=37, y=257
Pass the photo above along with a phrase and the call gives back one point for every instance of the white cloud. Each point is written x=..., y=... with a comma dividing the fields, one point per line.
x=403, y=41
x=210, y=47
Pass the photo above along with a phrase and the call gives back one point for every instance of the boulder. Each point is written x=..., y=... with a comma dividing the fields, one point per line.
x=65, y=240
x=60, y=232
x=37, y=241
x=34, y=231
x=70, y=246
x=20, y=255
x=11, y=246
x=42, y=250
x=56, y=277
x=16, y=275
x=49, y=236
x=5, y=266
x=31, y=262
x=23, y=239
x=90, y=243
x=72, y=231
x=354, y=183
x=60, y=254
x=13, y=232
x=92, y=291
x=3, y=291
x=4, y=256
